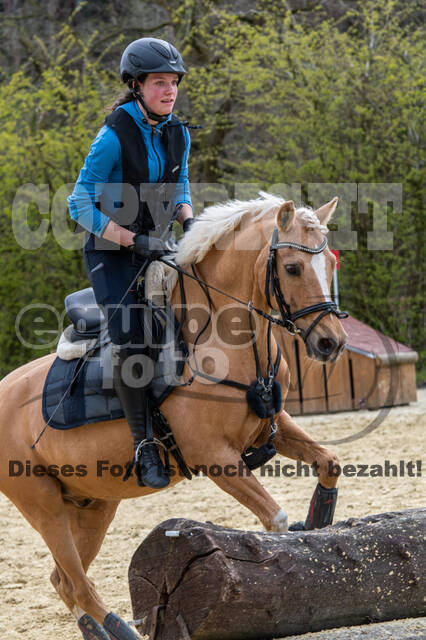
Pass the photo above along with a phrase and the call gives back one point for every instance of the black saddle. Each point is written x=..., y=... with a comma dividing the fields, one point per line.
x=86, y=316
x=81, y=390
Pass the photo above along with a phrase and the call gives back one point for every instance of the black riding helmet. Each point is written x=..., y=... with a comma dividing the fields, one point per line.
x=150, y=55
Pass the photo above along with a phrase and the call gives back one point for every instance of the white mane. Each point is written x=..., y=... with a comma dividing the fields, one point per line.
x=220, y=219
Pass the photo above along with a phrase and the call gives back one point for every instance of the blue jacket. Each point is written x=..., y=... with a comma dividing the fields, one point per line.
x=103, y=165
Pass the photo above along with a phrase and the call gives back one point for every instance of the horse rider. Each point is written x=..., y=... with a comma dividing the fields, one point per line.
x=134, y=182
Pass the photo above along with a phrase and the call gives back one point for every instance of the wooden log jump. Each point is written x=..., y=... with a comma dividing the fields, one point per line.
x=198, y=581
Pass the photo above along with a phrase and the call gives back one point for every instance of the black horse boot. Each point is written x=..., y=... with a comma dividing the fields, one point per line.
x=150, y=470
x=321, y=510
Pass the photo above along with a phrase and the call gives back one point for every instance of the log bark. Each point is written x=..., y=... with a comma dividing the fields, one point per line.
x=213, y=583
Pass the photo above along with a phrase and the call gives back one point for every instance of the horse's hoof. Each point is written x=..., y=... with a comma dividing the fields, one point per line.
x=297, y=526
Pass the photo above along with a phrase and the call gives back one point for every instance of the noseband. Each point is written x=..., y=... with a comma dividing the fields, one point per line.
x=272, y=285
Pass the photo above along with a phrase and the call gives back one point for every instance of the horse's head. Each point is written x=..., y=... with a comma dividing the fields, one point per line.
x=300, y=272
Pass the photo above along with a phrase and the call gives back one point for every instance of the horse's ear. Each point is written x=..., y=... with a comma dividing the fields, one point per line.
x=325, y=212
x=285, y=215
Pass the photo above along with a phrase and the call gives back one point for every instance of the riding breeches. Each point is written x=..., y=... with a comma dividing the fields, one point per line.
x=111, y=273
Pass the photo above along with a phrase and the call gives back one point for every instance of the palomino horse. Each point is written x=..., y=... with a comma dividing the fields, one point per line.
x=213, y=425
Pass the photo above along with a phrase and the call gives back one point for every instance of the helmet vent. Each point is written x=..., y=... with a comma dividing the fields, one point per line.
x=159, y=48
x=135, y=60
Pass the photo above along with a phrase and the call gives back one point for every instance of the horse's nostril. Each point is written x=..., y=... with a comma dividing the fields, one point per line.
x=326, y=346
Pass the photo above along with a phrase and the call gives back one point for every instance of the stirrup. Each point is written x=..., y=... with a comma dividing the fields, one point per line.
x=137, y=456
x=143, y=443
x=160, y=474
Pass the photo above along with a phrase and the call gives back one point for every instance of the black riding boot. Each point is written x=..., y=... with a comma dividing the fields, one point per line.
x=149, y=468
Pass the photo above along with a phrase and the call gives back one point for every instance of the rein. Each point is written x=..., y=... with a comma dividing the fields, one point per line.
x=272, y=285
x=202, y=284
x=264, y=394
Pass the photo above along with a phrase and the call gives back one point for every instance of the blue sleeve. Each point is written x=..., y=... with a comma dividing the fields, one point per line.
x=182, y=193
x=102, y=160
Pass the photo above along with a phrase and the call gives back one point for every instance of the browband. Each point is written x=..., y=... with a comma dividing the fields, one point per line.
x=295, y=245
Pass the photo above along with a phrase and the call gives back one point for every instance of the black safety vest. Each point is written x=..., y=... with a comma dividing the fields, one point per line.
x=154, y=207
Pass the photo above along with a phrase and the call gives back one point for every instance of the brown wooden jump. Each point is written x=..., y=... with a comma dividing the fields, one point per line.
x=209, y=582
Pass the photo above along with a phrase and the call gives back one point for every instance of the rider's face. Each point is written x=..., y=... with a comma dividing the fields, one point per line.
x=159, y=91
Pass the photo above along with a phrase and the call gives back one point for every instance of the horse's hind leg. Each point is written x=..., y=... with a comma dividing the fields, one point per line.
x=41, y=502
x=73, y=536
x=88, y=524
x=293, y=442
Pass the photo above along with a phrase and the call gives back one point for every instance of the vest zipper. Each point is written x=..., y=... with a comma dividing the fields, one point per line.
x=155, y=151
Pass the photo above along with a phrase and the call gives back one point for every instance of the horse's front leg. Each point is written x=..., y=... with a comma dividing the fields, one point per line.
x=236, y=479
x=293, y=442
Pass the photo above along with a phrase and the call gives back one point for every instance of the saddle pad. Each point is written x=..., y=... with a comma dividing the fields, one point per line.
x=73, y=395
x=81, y=390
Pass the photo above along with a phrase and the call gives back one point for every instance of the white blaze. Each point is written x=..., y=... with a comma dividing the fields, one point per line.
x=318, y=264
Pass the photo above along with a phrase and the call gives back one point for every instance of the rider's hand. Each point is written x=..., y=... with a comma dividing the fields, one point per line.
x=147, y=247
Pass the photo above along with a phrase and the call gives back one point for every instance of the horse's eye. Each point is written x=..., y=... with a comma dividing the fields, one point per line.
x=293, y=269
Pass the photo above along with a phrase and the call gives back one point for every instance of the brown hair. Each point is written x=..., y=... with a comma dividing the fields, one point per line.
x=127, y=95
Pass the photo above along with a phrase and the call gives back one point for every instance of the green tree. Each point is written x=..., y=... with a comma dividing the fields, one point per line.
x=284, y=97
x=288, y=102
x=46, y=129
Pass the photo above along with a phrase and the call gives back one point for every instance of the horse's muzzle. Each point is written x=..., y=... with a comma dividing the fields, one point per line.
x=324, y=348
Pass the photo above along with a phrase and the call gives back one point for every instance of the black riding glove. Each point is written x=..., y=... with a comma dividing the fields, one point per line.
x=147, y=247
x=187, y=224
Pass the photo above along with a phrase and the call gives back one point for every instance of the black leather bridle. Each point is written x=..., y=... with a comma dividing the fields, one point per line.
x=273, y=286
x=263, y=391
